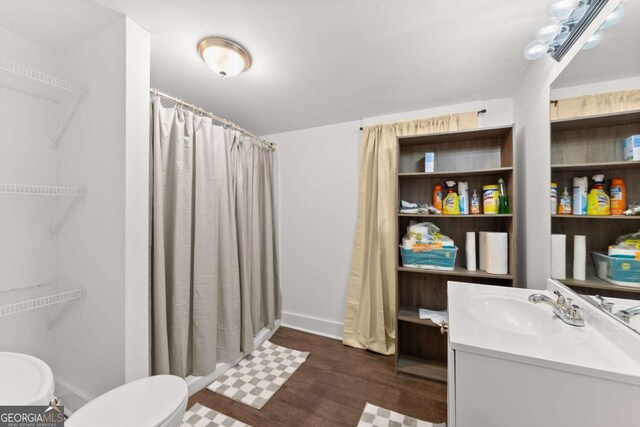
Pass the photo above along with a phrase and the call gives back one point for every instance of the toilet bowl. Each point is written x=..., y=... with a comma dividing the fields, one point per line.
x=24, y=380
x=158, y=401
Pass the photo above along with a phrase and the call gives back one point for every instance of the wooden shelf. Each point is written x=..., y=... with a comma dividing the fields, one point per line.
x=411, y=315
x=488, y=216
x=425, y=368
x=458, y=271
x=451, y=174
x=629, y=164
x=600, y=120
x=597, y=283
x=614, y=217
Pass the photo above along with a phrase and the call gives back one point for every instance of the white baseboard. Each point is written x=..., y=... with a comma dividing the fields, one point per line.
x=196, y=383
x=72, y=397
x=313, y=325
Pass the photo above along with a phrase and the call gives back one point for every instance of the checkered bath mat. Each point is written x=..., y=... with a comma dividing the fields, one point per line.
x=380, y=417
x=201, y=416
x=257, y=377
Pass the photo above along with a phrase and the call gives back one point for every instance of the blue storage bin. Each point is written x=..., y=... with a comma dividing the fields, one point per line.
x=619, y=270
x=434, y=259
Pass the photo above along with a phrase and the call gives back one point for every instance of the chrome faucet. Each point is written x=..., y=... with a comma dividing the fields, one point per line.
x=569, y=313
x=604, y=304
x=628, y=313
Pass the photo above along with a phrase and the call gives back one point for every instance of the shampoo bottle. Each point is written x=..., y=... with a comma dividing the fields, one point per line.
x=598, y=202
x=451, y=202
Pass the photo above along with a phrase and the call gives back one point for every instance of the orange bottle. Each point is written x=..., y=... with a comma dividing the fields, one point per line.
x=437, y=197
x=618, y=194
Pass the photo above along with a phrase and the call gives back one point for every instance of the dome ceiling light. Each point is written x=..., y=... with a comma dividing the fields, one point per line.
x=224, y=57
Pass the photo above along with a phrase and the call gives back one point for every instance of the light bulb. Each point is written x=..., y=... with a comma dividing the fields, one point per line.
x=593, y=41
x=614, y=17
x=223, y=61
x=535, y=50
x=577, y=14
x=562, y=9
x=548, y=30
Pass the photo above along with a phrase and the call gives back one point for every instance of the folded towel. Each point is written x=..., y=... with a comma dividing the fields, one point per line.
x=437, y=317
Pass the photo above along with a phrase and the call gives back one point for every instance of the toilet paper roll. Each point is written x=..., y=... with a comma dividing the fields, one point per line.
x=482, y=250
x=558, y=256
x=471, y=250
x=579, y=257
x=497, y=253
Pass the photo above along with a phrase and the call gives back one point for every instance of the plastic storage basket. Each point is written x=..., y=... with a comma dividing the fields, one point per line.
x=616, y=270
x=434, y=259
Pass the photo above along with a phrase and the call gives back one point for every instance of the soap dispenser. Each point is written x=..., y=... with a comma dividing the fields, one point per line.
x=598, y=203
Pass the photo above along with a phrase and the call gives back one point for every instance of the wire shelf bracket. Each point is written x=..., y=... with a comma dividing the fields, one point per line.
x=35, y=83
x=17, y=301
x=55, y=141
x=63, y=218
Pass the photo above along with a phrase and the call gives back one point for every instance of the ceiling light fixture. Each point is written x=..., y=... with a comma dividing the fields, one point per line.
x=224, y=57
x=568, y=19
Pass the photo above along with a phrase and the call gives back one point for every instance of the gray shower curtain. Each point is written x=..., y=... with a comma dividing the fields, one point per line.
x=215, y=277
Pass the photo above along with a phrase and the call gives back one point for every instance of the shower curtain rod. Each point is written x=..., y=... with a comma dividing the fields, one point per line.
x=272, y=145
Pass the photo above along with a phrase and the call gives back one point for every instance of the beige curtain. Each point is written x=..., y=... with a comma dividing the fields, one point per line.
x=369, y=321
x=591, y=105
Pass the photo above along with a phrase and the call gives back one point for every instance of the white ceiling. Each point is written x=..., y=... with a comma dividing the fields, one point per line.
x=57, y=25
x=318, y=62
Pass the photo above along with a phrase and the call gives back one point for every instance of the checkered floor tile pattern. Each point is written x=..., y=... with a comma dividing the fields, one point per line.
x=374, y=416
x=201, y=416
x=257, y=377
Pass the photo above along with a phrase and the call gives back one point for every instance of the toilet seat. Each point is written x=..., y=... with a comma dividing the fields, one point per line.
x=158, y=401
x=24, y=380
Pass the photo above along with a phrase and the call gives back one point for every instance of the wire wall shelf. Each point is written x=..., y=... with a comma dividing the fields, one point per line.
x=42, y=190
x=17, y=301
x=36, y=83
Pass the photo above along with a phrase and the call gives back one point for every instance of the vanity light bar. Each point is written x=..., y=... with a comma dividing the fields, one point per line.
x=594, y=9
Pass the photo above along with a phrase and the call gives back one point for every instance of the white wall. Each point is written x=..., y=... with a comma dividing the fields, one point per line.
x=137, y=218
x=318, y=202
x=92, y=244
x=27, y=256
x=101, y=340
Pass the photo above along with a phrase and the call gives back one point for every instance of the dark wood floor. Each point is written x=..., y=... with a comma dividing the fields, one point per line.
x=332, y=387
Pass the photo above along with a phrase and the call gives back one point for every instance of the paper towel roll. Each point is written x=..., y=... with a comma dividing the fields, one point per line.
x=497, y=253
x=471, y=250
x=482, y=249
x=558, y=256
x=579, y=257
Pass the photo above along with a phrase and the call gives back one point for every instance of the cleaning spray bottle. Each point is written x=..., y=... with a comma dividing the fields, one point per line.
x=451, y=202
x=565, y=203
x=598, y=202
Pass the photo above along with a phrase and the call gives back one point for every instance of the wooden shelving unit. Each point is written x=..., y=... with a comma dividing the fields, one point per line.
x=583, y=147
x=479, y=157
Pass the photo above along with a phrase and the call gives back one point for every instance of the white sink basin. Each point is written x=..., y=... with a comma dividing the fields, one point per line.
x=513, y=315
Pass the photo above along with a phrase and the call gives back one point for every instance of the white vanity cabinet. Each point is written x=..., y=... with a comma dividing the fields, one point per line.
x=520, y=367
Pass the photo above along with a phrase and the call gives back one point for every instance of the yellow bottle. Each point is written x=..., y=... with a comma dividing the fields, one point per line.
x=451, y=202
x=598, y=203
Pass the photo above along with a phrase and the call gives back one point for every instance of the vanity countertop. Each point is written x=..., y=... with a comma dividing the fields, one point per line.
x=501, y=322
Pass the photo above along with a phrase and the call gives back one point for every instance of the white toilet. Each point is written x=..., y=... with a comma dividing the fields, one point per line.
x=158, y=401
x=24, y=380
